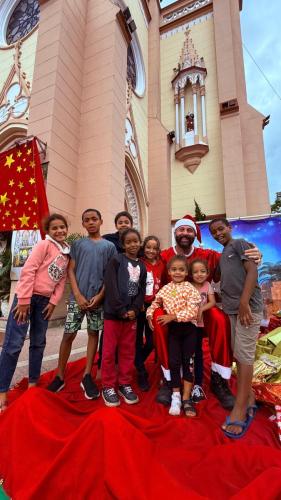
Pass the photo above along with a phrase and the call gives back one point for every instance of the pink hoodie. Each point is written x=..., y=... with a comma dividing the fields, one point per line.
x=44, y=272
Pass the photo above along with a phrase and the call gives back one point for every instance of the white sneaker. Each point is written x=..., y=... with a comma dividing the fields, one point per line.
x=175, y=407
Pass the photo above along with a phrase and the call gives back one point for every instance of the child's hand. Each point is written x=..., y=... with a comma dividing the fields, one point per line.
x=149, y=320
x=82, y=302
x=245, y=314
x=21, y=313
x=94, y=302
x=254, y=254
x=165, y=319
x=48, y=311
x=131, y=315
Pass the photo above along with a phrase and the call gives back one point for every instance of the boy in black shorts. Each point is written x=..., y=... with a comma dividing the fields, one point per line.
x=89, y=257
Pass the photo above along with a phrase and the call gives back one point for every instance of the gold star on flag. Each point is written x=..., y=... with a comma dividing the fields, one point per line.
x=7, y=213
x=32, y=163
x=24, y=220
x=20, y=185
x=9, y=160
x=29, y=151
x=32, y=180
x=19, y=153
x=35, y=226
x=16, y=202
x=11, y=183
x=13, y=226
x=34, y=200
x=3, y=199
x=19, y=169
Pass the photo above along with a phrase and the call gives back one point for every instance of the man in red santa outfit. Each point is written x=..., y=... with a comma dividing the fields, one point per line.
x=216, y=322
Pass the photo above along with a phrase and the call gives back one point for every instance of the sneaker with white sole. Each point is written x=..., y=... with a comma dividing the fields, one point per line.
x=56, y=385
x=110, y=396
x=89, y=387
x=175, y=408
x=197, y=394
x=128, y=394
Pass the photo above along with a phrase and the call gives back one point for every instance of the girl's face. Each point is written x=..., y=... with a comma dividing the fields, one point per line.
x=199, y=273
x=132, y=245
x=58, y=230
x=178, y=271
x=151, y=250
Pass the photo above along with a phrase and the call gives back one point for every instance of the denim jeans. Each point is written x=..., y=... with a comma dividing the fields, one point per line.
x=14, y=339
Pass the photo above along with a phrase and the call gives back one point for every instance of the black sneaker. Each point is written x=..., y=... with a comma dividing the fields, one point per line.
x=164, y=395
x=90, y=389
x=219, y=386
x=128, y=394
x=110, y=397
x=142, y=381
x=197, y=394
x=56, y=385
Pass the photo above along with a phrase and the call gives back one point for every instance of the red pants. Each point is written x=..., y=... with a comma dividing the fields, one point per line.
x=121, y=334
x=217, y=327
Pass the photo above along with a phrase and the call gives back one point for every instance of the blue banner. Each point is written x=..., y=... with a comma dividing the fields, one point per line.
x=266, y=235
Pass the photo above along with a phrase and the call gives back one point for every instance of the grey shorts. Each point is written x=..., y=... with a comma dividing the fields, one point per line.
x=75, y=316
x=244, y=339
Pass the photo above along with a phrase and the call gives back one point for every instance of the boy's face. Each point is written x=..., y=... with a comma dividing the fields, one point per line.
x=91, y=222
x=221, y=232
x=123, y=223
x=178, y=271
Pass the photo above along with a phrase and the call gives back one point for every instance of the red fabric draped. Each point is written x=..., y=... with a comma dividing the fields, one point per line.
x=64, y=446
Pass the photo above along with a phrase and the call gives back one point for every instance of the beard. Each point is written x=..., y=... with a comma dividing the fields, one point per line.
x=185, y=242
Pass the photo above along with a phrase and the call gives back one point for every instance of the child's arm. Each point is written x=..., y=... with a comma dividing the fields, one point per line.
x=79, y=297
x=244, y=311
x=111, y=289
x=25, y=285
x=157, y=302
x=190, y=311
x=211, y=300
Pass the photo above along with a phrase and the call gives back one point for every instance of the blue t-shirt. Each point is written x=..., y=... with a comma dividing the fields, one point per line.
x=91, y=258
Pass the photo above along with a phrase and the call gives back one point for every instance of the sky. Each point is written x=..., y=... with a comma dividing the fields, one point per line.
x=260, y=25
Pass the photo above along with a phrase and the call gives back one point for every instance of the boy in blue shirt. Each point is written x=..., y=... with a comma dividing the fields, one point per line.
x=242, y=302
x=89, y=258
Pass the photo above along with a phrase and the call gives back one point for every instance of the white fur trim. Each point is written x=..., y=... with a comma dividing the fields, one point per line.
x=185, y=222
x=166, y=373
x=223, y=371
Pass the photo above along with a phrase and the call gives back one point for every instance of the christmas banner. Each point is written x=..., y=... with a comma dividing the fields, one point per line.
x=266, y=234
x=23, y=201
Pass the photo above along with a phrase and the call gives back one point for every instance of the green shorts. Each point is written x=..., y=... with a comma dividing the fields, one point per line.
x=75, y=316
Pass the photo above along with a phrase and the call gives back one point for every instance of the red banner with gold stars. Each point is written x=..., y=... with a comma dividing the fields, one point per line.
x=23, y=201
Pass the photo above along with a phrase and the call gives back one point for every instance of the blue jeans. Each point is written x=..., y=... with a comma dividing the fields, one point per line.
x=14, y=339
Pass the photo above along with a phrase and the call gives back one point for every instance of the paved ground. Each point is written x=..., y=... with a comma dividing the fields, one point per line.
x=50, y=359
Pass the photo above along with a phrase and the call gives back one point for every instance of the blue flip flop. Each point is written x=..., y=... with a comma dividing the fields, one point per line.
x=240, y=423
x=254, y=409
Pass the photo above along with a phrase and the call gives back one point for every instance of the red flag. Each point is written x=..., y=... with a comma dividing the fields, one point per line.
x=23, y=201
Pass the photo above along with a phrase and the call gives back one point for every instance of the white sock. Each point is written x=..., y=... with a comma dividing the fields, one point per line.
x=175, y=407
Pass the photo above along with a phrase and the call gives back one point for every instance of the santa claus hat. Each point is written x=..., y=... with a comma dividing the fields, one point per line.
x=189, y=221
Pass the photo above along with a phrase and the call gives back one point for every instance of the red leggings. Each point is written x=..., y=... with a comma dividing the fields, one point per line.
x=217, y=327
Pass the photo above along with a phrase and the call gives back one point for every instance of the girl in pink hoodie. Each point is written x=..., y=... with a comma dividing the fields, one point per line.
x=38, y=291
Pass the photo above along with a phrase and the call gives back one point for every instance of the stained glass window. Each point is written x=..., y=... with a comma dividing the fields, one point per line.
x=22, y=21
x=131, y=67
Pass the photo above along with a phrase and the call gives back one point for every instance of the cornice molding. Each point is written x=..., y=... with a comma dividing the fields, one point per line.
x=124, y=27
x=173, y=17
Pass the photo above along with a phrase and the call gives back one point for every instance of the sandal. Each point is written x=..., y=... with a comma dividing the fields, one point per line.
x=239, y=423
x=189, y=408
x=252, y=410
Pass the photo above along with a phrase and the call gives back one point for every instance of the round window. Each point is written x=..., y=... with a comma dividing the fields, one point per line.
x=23, y=19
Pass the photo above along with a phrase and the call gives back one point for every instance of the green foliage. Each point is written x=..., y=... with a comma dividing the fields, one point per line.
x=276, y=206
x=199, y=215
x=74, y=237
x=5, y=267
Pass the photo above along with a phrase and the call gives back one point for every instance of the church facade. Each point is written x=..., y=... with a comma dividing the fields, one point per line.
x=141, y=107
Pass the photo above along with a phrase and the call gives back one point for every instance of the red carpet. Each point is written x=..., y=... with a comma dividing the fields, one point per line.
x=55, y=446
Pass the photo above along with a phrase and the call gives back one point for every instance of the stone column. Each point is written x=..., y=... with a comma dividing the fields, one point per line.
x=177, y=119
x=182, y=116
x=194, y=95
x=203, y=113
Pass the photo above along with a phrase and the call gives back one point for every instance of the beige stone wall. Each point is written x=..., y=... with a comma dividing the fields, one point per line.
x=28, y=50
x=206, y=184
